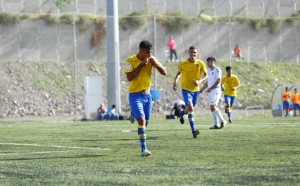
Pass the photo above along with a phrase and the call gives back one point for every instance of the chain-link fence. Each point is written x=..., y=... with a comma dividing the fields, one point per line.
x=260, y=39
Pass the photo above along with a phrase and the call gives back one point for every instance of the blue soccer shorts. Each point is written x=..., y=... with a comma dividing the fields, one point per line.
x=229, y=99
x=190, y=97
x=296, y=106
x=285, y=105
x=141, y=105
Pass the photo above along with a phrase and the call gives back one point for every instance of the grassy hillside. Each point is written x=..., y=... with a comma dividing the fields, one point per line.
x=48, y=88
x=258, y=80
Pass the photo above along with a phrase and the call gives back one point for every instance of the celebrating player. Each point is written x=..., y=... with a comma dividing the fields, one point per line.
x=214, y=91
x=191, y=70
x=138, y=69
x=231, y=84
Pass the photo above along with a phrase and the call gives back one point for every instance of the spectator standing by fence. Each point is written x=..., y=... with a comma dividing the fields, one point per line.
x=296, y=101
x=172, y=49
x=286, y=99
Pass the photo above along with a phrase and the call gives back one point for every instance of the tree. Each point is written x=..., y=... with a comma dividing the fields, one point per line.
x=61, y=3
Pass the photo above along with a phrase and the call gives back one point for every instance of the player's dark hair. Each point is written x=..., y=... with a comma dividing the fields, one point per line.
x=228, y=68
x=192, y=48
x=145, y=44
x=211, y=59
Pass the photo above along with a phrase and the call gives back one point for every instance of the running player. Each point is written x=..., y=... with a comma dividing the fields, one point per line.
x=191, y=70
x=231, y=83
x=138, y=70
x=214, y=91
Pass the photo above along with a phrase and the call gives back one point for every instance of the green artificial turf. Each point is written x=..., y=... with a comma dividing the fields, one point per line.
x=255, y=151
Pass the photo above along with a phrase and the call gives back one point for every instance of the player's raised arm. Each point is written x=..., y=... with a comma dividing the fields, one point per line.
x=131, y=75
x=160, y=68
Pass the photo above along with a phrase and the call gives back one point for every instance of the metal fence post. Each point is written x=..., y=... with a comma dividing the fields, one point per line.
x=154, y=52
x=75, y=64
x=230, y=31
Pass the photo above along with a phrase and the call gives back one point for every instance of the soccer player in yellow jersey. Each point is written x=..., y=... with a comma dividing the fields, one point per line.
x=138, y=70
x=191, y=71
x=286, y=100
x=230, y=84
x=296, y=101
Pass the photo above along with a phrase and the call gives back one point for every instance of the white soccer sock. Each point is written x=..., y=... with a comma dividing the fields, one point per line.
x=216, y=120
x=219, y=115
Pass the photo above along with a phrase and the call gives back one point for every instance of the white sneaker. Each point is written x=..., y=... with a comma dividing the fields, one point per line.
x=146, y=152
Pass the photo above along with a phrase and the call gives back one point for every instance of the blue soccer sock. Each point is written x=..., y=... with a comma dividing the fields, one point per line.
x=229, y=114
x=191, y=120
x=142, y=136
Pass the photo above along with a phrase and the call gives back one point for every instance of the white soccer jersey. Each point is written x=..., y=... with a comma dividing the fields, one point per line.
x=179, y=102
x=215, y=94
x=213, y=75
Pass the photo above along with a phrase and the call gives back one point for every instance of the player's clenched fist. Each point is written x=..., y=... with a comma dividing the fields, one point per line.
x=174, y=86
x=153, y=60
x=144, y=62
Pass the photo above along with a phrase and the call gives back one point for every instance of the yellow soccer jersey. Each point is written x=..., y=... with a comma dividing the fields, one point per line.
x=143, y=80
x=228, y=83
x=189, y=72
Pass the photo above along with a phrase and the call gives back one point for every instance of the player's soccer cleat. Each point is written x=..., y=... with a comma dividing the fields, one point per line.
x=181, y=119
x=131, y=118
x=196, y=133
x=230, y=121
x=214, y=127
x=223, y=123
x=146, y=152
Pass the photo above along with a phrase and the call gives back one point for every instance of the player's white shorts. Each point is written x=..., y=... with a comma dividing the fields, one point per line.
x=214, y=96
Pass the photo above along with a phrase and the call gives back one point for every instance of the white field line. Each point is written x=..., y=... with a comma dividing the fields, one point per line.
x=236, y=122
x=277, y=123
x=42, y=152
x=53, y=146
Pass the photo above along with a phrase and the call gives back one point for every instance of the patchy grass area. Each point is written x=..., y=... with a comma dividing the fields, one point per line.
x=255, y=151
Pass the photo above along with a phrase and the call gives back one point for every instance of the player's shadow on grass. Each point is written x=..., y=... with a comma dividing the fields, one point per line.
x=56, y=157
x=161, y=130
x=116, y=139
x=111, y=139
